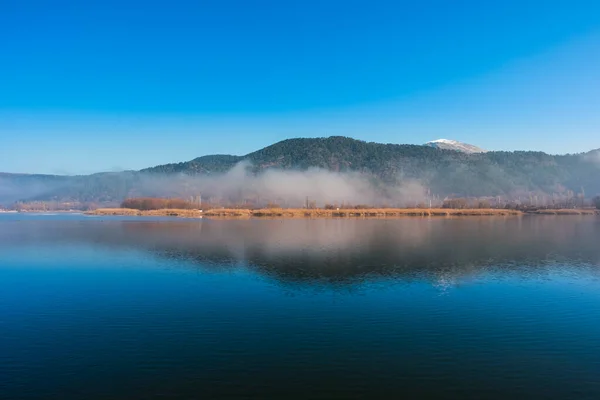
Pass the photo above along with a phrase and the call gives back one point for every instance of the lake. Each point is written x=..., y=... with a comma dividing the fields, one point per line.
x=131, y=308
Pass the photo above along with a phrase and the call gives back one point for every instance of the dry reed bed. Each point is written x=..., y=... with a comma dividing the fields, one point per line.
x=148, y=213
x=341, y=213
x=376, y=212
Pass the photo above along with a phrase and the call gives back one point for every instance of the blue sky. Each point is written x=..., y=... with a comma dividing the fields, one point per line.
x=108, y=85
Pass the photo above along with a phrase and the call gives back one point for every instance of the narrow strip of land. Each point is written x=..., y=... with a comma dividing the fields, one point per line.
x=170, y=212
x=567, y=211
x=336, y=213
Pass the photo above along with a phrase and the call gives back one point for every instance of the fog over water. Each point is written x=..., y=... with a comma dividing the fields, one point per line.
x=289, y=188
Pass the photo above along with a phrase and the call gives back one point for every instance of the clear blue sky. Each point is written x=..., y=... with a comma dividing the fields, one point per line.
x=90, y=86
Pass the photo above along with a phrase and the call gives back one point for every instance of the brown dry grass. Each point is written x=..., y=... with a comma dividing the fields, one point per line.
x=341, y=213
x=149, y=213
x=370, y=213
x=228, y=213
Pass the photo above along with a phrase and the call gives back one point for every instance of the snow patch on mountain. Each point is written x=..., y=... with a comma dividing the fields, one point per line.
x=448, y=144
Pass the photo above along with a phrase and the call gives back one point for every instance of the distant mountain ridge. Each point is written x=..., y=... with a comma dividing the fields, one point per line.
x=442, y=172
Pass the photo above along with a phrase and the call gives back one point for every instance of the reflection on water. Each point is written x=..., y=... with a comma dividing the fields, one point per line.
x=338, y=251
x=130, y=308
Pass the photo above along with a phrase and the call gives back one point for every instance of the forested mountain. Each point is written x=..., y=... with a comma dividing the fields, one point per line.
x=201, y=165
x=444, y=171
x=101, y=187
x=441, y=172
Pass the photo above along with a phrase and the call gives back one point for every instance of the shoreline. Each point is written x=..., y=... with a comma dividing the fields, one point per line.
x=353, y=213
x=129, y=212
x=582, y=211
x=338, y=213
x=386, y=212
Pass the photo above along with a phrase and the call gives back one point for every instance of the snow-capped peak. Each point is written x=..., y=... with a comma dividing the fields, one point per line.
x=448, y=144
x=443, y=141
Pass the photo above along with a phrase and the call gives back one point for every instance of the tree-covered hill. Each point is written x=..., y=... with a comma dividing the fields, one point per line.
x=202, y=165
x=441, y=172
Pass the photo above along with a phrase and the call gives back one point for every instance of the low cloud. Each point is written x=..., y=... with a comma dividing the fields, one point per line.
x=593, y=157
x=289, y=188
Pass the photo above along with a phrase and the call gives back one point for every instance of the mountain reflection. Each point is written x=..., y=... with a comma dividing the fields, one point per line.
x=341, y=251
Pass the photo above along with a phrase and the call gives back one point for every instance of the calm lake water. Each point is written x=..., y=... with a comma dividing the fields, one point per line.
x=129, y=308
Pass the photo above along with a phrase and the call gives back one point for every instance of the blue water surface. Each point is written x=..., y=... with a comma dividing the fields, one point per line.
x=143, y=308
